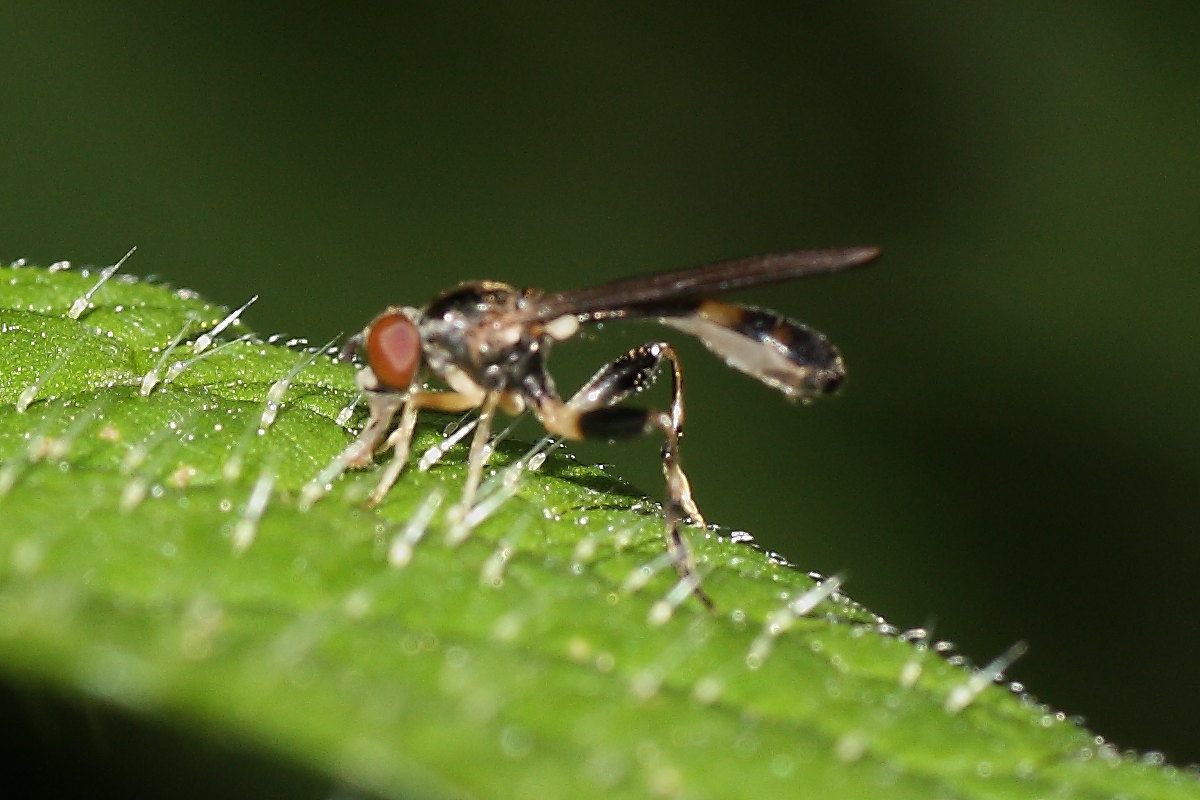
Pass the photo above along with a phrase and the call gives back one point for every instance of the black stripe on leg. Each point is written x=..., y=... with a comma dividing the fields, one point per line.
x=614, y=423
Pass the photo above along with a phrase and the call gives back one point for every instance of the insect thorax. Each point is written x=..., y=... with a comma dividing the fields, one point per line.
x=476, y=329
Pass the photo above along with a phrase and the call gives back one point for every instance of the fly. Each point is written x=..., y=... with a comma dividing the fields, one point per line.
x=488, y=343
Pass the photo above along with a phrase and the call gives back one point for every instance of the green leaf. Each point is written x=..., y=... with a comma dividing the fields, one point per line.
x=154, y=557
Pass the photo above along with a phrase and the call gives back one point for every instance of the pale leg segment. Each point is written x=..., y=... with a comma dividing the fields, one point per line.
x=477, y=459
x=384, y=406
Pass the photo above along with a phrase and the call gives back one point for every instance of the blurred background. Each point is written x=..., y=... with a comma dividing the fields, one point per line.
x=1016, y=455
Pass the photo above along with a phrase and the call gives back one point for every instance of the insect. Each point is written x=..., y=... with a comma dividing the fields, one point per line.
x=488, y=342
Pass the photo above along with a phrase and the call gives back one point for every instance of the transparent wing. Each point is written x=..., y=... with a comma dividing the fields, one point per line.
x=649, y=295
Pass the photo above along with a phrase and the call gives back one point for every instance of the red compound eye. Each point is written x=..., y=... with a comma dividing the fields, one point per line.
x=393, y=350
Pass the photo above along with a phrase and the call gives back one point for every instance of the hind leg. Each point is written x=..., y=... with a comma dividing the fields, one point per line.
x=597, y=411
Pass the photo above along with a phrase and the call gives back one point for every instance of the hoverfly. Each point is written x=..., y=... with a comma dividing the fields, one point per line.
x=488, y=343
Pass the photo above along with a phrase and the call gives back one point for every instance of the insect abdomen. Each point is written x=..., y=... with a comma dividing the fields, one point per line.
x=780, y=352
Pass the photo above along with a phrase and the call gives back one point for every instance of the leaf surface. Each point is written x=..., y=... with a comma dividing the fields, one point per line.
x=154, y=556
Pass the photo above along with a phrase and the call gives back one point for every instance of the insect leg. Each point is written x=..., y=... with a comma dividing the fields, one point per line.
x=477, y=458
x=400, y=441
x=384, y=407
x=630, y=374
x=596, y=412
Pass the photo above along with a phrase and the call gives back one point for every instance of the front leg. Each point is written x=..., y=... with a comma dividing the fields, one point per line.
x=401, y=439
x=384, y=405
x=361, y=452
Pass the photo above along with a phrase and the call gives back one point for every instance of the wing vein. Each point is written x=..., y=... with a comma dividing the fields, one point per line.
x=629, y=295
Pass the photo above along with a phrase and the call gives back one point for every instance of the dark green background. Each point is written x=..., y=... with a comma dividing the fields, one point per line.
x=1016, y=453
